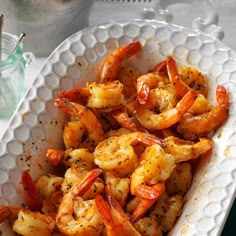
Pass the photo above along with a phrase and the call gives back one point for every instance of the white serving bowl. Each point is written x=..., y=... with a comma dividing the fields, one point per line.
x=38, y=124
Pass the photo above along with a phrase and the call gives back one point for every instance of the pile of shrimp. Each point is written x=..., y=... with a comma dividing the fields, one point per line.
x=131, y=142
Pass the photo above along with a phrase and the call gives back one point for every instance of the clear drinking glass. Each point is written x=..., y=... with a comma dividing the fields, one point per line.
x=12, y=85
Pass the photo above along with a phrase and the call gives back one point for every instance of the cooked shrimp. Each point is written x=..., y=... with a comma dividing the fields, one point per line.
x=147, y=82
x=180, y=179
x=79, y=95
x=76, y=174
x=31, y=223
x=128, y=77
x=48, y=191
x=71, y=176
x=48, y=185
x=55, y=155
x=117, y=132
x=90, y=121
x=145, y=204
x=26, y=222
x=117, y=187
x=161, y=206
x=86, y=221
x=114, y=218
x=194, y=79
x=186, y=78
x=147, y=226
x=132, y=204
x=166, y=211
x=123, y=118
x=126, y=121
x=180, y=86
x=50, y=206
x=31, y=195
x=9, y=213
x=175, y=204
x=200, y=106
x=73, y=133
x=160, y=67
x=80, y=156
x=113, y=61
x=184, y=150
x=106, y=96
x=207, y=121
x=154, y=167
x=156, y=121
x=166, y=100
x=117, y=153
x=106, y=119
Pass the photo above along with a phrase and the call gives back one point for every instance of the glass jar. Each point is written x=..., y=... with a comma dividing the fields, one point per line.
x=12, y=85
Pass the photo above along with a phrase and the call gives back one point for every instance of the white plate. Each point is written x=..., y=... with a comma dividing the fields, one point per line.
x=37, y=123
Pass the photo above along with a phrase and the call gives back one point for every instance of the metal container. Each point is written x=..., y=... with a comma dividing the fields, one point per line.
x=46, y=22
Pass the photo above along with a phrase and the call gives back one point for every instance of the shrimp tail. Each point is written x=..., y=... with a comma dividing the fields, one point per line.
x=143, y=94
x=222, y=96
x=87, y=117
x=187, y=101
x=114, y=217
x=31, y=195
x=4, y=213
x=104, y=209
x=120, y=215
x=75, y=94
x=108, y=218
x=122, y=117
x=150, y=139
x=131, y=50
x=160, y=67
x=149, y=192
x=113, y=62
x=67, y=106
x=81, y=188
x=142, y=208
x=115, y=207
x=145, y=204
x=55, y=155
x=8, y=212
x=180, y=86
